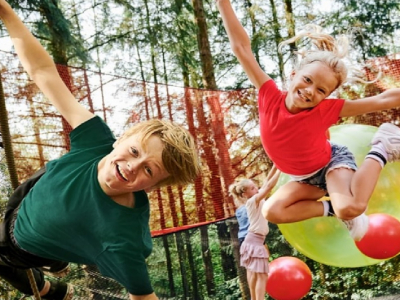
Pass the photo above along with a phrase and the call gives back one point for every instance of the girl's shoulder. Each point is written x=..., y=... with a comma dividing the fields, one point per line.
x=251, y=201
x=268, y=86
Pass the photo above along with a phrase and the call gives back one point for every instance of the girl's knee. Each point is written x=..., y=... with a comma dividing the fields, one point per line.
x=266, y=211
x=350, y=211
x=273, y=213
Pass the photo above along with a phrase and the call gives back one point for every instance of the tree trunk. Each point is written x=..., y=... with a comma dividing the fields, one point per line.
x=290, y=24
x=278, y=39
x=212, y=98
x=6, y=136
x=228, y=261
x=36, y=130
x=207, y=259
x=195, y=281
x=182, y=264
x=201, y=211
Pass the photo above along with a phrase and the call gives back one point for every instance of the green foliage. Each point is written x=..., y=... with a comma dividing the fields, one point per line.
x=328, y=282
x=228, y=290
x=53, y=28
x=373, y=23
x=125, y=39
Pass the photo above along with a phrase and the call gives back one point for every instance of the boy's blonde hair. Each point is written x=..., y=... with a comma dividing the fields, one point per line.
x=237, y=189
x=179, y=156
x=326, y=49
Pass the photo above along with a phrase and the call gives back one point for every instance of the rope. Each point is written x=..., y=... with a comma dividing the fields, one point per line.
x=33, y=284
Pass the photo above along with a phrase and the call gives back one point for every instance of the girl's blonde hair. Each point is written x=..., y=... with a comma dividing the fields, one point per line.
x=324, y=48
x=179, y=156
x=237, y=189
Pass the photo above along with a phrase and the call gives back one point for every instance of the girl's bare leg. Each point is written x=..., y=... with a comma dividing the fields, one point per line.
x=261, y=281
x=251, y=280
x=351, y=190
x=293, y=202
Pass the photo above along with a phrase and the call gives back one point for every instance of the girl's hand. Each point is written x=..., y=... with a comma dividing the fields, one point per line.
x=272, y=177
x=269, y=183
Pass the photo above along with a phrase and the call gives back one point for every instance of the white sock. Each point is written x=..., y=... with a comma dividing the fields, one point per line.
x=326, y=208
x=378, y=153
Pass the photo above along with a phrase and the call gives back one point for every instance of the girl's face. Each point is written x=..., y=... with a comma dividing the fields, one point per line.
x=309, y=86
x=251, y=190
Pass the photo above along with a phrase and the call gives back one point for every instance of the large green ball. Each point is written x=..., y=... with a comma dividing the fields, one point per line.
x=325, y=239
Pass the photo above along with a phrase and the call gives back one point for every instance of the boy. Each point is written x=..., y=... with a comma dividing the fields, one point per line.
x=90, y=205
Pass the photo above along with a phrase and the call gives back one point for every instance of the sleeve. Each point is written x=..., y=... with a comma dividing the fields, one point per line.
x=94, y=132
x=130, y=270
x=251, y=206
x=267, y=92
x=330, y=111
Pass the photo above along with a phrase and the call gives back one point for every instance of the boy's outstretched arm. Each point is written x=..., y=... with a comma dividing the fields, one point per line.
x=41, y=68
x=241, y=45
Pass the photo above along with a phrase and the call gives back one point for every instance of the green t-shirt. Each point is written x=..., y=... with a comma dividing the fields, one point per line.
x=66, y=216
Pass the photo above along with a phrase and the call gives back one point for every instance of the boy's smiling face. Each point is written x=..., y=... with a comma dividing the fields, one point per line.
x=132, y=165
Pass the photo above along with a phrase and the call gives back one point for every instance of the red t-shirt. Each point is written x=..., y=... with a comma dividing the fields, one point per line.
x=296, y=143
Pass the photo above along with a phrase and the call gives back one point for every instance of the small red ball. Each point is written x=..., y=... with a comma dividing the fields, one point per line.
x=289, y=278
x=382, y=240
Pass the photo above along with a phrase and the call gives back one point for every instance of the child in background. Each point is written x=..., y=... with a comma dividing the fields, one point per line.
x=241, y=216
x=253, y=254
x=293, y=127
x=90, y=206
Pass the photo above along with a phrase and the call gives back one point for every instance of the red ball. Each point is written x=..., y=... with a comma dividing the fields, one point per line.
x=382, y=240
x=289, y=278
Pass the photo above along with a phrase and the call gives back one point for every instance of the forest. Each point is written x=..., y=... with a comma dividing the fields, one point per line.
x=130, y=60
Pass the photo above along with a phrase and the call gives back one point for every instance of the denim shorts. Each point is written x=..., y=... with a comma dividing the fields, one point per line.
x=341, y=157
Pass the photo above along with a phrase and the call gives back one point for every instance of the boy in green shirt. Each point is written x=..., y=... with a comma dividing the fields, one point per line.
x=90, y=205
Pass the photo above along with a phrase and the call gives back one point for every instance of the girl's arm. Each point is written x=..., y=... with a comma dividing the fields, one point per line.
x=41, y=68
x=386, y=100
x=240, y=44
x=269, y=184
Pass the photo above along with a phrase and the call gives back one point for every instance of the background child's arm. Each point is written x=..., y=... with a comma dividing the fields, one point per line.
x=41, y=68
x=269, y=183
x=240, y=44
x=386, y=100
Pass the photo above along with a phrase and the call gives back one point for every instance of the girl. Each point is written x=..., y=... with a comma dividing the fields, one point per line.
x=253, y=254
x=293, y=125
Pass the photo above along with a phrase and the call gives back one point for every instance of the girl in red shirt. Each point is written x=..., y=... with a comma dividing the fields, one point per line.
x=293, y=128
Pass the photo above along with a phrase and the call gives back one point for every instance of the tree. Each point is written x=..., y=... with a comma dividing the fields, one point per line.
x=372, y=23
